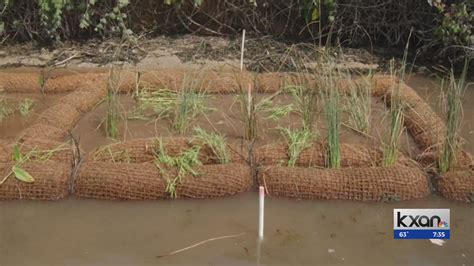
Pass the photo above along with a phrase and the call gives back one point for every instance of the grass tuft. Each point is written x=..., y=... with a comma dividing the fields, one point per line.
x=451, y=144
x=297, y=141
x=217, y=142
x=181, y=107
x=5, y=110
x=183, y=163
x=113, y=105
x=359, y=107
x=26, y=106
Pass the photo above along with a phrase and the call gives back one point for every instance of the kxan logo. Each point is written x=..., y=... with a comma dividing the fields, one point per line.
x=421, y=223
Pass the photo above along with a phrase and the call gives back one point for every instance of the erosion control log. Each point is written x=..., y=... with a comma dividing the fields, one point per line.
x=131, y=181
x=365, y=183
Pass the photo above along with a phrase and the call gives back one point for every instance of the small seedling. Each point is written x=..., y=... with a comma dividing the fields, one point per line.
x=359, y=107
x=217, y=142
x=183, y=163
x=33, y=155
x=26, y=106
x=297, y=141
x=5, y=109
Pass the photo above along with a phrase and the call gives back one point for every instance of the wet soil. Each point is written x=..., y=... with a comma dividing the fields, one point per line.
x=15, y=123
x=224, y=117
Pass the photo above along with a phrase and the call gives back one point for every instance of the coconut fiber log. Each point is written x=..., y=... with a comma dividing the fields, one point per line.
x=129, y=181
x=43, y=131
x=51, y=181
x=142, y=151
x=51, y=150
x=352, y=155
x=364, y=183
x=30, y=82
x=85, y=100
x=61, y=115
x=457, y=185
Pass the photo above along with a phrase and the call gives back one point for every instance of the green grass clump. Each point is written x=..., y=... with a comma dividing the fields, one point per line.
x=5, y=110
x=183, y=163
x=305, y=103
x=180, y=106
x=297, y=141
x=333, y=122
x=217, y=142
x=453, y=120
x=396, y=117
x=26, y=106
x=359, y=107
x=113, y=104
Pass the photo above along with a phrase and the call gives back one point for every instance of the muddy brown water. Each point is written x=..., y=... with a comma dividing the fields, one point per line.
x=90, y=232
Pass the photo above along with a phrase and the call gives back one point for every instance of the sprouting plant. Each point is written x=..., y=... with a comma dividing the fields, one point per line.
x=306, y=103
x=297, y=141
x=359, y=108
x=113, y=105
x=396, y=118
x=250, y=107
x=278, y=112
x=5, y=109
x=217, y=142
x=455, y=91
x=26, y=106
x=333, y=122
x=181, y=107
x=183, y=163
x=33, y=155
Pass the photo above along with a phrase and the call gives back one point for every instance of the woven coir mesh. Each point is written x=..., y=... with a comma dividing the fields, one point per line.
x=85, y=100
x=352, y=155
x=36, y=148
x=457, y=185
x=30, y=82
x=130, y=181
x=463, y=159
x=51, y=181
x=422, y=122
x=363, y=183
x=43, y=131
x=62, y=115
x=142, y=150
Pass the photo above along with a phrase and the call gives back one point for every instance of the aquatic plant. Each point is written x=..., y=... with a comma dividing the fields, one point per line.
x=183, y=163
x=26, y=106
x=359, y=106
x=113, y=105
x=217, y=142
x=450, y=147
x=5, y=110
x=180, y=106
x=297, y=141
x=333, y=123
x=396, y=116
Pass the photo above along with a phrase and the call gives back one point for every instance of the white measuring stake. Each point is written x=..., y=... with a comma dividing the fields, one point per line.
x=261, y=196
x=242, y=51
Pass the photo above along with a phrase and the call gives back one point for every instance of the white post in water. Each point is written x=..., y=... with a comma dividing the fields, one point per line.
x=261, y=196
x=242, y=51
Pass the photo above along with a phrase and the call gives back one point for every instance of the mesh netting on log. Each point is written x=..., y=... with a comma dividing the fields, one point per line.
x=104, y=180
x=51, y=181
x=39, y=148
x=457, y=185
x=352, y=155
x=30, y=82
x=85, y=100
x=364, y=183
x=422, y=122
x=463, y=159
x=43, y=131
x=142, y=150
x=62, y=115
